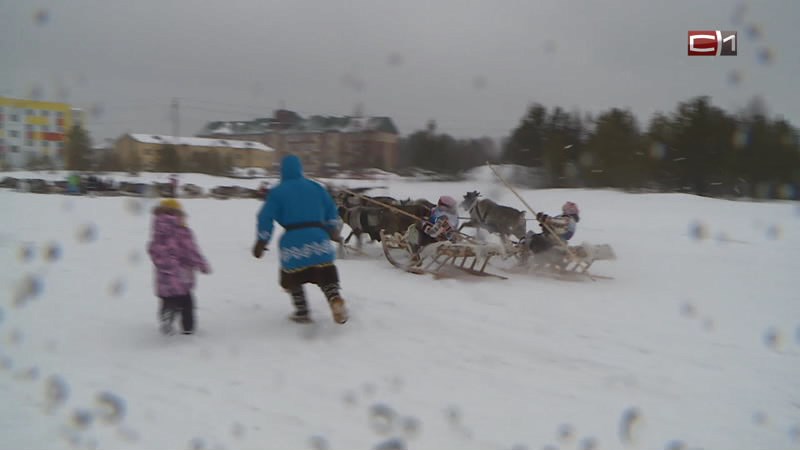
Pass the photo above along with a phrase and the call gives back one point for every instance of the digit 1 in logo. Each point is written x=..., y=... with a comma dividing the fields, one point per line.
x=729, y=44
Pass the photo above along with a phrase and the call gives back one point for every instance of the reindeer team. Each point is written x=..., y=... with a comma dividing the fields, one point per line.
x=369, y=215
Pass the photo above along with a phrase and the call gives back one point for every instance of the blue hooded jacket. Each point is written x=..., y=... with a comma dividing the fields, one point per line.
x=299, y=201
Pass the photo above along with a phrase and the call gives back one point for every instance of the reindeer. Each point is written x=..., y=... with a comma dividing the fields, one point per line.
x=495, y=218
x=348, y=197
x=397, y=222
x=370, y=218
x=385, y=199
x=362, y=219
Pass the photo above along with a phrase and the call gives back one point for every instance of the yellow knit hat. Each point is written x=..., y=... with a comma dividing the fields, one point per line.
x=171, y=203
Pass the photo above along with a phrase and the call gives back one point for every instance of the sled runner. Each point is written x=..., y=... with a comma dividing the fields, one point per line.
x=442, y=259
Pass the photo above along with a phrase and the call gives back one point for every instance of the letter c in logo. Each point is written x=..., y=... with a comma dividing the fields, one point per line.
x=701, y=36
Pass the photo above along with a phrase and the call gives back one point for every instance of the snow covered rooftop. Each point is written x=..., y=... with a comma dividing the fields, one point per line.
x=199, y=142
x=313, y=124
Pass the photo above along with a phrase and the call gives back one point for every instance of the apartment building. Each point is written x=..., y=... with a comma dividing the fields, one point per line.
x=34, y=129
x=322, y=142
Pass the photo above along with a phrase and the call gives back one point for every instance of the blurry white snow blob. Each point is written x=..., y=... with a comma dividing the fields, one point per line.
x=56, y=392
x=411, y=426
x=565, y=433
x=688, y=310
x=588, y=443
x=110, y=407
x=52, y=252
x=86, y=233
x=81, y=419
x=134, y=206
x=760, y=418
x=40, y=17
x=382, y=418
x=350, y=398
x=698, y=231
x=238, y=430
x=675, y=445
x=392, y=444
x=319, y=443
x=630, y=426
x=117, y=287
x=27, y=289
x=773, y=338
x=26, y=252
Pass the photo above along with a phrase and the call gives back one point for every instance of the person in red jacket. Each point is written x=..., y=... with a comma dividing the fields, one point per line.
x=176, y=257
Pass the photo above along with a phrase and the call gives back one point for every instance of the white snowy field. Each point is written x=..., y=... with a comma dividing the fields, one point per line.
x=697, y=337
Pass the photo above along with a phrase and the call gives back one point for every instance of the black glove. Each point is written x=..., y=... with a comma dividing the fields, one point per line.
x=259, y=247
x=334, y=235
x=542, y=217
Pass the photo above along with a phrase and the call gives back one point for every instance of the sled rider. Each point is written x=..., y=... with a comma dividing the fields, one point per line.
x=441, y=225
x=554, y=229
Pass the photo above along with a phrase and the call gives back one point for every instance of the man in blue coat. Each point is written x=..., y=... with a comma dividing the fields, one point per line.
x=308, y=214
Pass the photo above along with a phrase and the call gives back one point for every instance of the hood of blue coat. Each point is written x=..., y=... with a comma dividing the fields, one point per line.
x=291, y=168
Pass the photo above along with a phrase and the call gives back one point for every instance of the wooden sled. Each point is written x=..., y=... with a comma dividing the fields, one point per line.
x=557, y=262
x=443, y=259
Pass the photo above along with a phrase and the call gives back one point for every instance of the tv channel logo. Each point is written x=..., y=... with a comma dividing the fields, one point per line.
x=713, y=43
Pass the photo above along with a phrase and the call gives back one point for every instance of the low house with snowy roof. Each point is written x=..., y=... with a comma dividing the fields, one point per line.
x=144, y=150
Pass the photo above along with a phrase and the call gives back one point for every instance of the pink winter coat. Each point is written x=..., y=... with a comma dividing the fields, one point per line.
x=174, y=253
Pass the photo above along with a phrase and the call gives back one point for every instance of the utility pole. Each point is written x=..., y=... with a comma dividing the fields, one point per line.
x=176, y=124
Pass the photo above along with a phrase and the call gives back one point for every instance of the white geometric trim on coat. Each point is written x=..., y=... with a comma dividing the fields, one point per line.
x=306, y=251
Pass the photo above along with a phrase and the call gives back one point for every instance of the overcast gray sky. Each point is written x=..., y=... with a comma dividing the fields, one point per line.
x=472, y=66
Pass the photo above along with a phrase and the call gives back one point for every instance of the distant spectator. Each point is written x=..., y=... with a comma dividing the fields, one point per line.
x=263, y=190
x=173, y=181
x=74, y=184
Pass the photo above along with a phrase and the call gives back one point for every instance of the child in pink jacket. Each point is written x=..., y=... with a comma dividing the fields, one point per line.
x=176, y=256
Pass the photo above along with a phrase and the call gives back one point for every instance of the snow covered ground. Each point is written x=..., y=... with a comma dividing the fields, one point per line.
x=694, y=345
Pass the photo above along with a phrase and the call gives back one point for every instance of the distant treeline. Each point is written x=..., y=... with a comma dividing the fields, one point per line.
x=697, y=148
